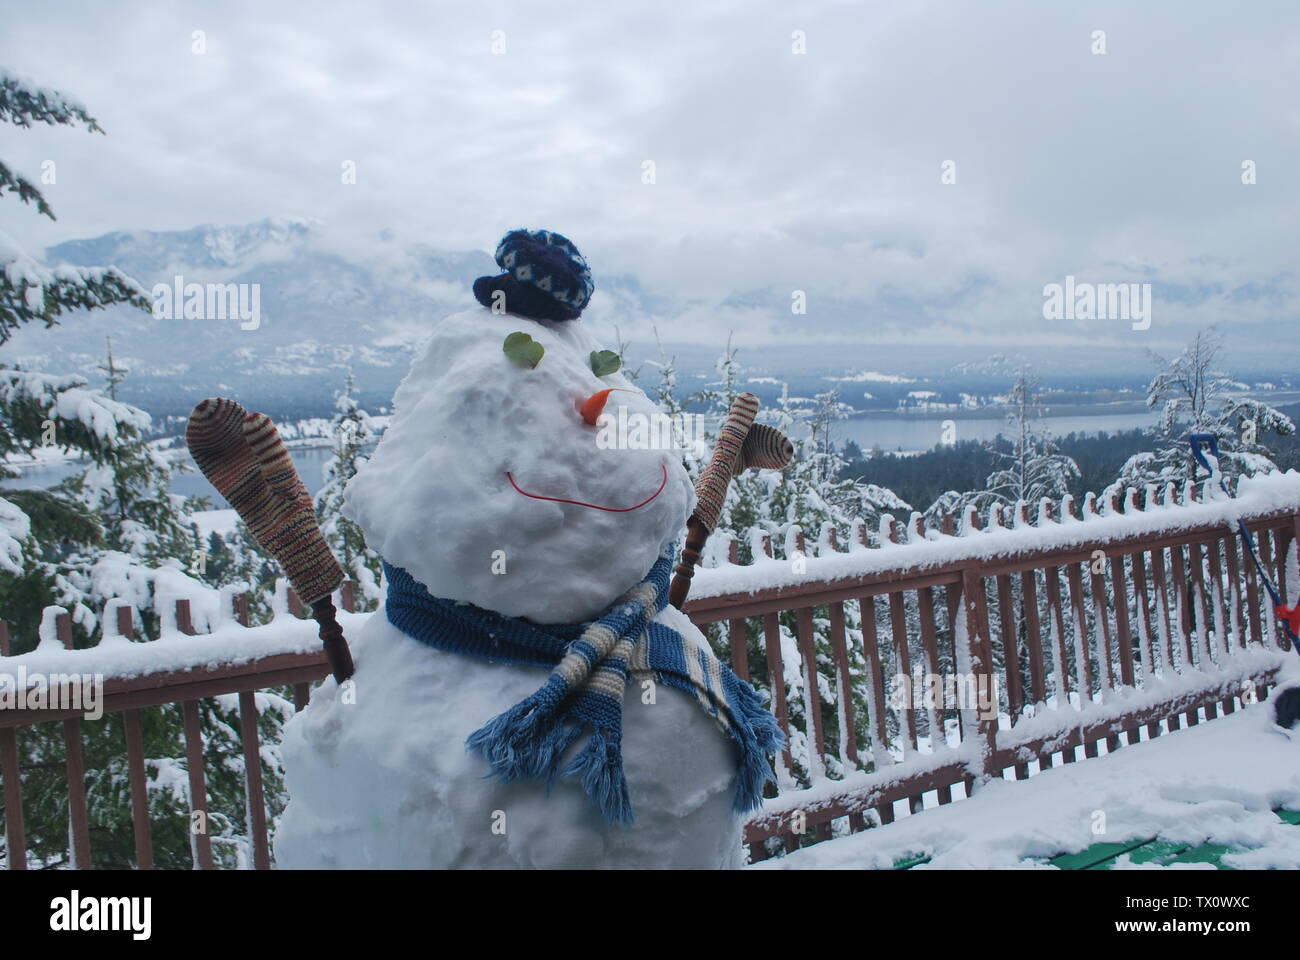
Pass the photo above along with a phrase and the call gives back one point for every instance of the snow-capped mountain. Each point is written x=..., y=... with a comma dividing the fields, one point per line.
x=322, y=307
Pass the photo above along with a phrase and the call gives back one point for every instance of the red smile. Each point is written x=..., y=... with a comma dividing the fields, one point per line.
x=593, y=506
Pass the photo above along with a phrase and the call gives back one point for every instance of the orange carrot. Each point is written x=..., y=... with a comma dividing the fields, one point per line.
x=593, y=406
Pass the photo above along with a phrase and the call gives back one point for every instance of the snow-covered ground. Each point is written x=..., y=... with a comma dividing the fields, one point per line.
x=215, y=521
x=1216, y=782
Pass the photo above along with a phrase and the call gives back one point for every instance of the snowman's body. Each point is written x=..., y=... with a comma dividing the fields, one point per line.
x=386, y=782
x=380, y=777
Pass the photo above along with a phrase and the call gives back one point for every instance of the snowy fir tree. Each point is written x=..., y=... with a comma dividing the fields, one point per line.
x=353, y=432
x=112, y=530
x=30, y=291
x=807, y=502
x=1034, y=468
x=51, y=541
x=1192, y=394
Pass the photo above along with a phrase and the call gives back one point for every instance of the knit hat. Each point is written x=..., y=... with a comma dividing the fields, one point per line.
x=545, y=276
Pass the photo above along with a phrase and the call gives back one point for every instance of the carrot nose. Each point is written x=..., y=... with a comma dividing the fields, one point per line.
x=594, y=405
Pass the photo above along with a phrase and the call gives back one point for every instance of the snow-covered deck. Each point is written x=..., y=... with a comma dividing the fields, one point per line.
x=1217, y=782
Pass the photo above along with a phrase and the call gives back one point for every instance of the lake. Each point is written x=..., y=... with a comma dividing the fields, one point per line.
x=311, y=462
x=923, y=431
x=891, y=432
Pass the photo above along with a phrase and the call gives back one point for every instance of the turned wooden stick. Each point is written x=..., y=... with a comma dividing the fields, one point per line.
x=331, y=635
x=696, y=535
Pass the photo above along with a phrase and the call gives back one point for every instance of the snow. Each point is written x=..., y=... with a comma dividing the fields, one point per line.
x=230, y=644
x=377, y=770
x=15, y=527
x=1256, y=496
x=435, y=499
x=1215, y=782
x=66, y=397
x=222, y=522
x=871, y=376
x=378, y=775
x=34, y=280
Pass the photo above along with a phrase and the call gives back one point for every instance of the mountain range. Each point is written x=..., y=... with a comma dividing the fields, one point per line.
x=330, y=304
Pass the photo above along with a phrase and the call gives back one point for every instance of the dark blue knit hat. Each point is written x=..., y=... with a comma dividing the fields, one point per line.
x=545, y=276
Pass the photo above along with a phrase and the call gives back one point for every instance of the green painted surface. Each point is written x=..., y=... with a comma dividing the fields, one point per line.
x=1099, y=855
x=1102, y=856
x=911, y=860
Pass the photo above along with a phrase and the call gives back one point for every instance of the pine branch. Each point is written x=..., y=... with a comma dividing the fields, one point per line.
x=31, y=294
x=25, y=189
x=22, y=103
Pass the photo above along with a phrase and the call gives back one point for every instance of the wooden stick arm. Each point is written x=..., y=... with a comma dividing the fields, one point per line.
x=696, y=535
x=331, y=635
x=741, y=443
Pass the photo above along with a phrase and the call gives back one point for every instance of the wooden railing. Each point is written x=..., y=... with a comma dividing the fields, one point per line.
x=1097, y=624
x=201, y=671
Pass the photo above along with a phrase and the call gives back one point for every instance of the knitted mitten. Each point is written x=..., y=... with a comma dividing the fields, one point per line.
x=765, y=448
x=241, y=453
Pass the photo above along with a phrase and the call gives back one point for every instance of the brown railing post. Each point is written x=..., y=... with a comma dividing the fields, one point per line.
x=1011, y=658
x=975, y=606
x=15, y=834
x=139, y=789
x=737, y=631
x=191, y=717
x=812, y=695
x=79, y=820
x=184, y=618
x=239, y=603
x=253, y=779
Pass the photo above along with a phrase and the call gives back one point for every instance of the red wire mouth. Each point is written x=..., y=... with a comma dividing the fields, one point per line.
x=594, y=506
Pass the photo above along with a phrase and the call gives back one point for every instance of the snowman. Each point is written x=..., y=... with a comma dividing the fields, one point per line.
x=525, y=697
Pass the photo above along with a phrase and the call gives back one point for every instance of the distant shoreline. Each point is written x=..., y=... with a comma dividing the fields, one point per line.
x=997, y=412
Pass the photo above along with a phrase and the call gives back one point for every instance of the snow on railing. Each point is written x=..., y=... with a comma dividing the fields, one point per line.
x=179, y=666
x=1088, y=623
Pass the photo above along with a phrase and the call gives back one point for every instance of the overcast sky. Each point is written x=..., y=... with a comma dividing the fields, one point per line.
x=774, y=170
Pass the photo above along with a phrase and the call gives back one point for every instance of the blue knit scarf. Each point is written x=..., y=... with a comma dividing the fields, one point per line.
x=590, y=665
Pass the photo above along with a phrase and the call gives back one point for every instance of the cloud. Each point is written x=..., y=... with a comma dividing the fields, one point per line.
x=773, y=171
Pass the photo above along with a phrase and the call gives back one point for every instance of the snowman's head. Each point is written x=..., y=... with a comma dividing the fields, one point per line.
x=490, y=486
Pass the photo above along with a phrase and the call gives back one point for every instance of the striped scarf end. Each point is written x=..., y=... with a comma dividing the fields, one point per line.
x=514, y=744
x=599, y=767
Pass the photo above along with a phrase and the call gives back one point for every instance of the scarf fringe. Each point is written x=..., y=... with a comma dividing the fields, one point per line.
x=757, y=735
x=599, y=765
x=519, y=743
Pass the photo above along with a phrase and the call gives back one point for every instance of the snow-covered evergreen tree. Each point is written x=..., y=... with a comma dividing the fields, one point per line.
x=114, y=530
x=30, y=291
x=353, y=432
x=40, y=530
x=807, y=497
x=1194, y=395
x=1034, y=468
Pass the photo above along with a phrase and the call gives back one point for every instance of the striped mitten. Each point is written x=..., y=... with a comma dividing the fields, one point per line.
x=241, y=453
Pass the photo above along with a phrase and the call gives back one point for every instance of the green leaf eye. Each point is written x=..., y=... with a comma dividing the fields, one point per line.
x=604, y=362
x=523, y=349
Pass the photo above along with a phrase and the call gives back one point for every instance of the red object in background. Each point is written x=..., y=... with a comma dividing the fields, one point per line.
x=1290, y=616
